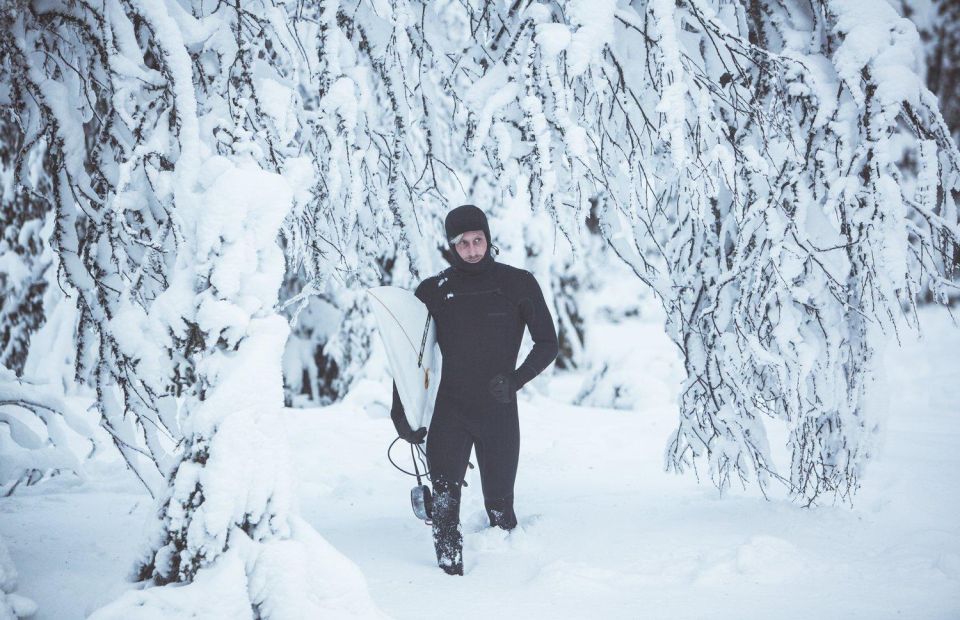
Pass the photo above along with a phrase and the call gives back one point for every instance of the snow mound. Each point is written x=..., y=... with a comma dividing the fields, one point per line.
x=496, y=540
x=302, y=577
x=563, y=574
x=12, y=606
x=763, y=559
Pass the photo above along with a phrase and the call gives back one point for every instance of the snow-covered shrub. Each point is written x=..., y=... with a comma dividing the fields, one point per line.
x=37, y=433
x=606, y=387
x=12, y=605
x=309, y=373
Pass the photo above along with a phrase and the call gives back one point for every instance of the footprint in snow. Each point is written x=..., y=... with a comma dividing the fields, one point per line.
x=495, y=540
x=477, y=522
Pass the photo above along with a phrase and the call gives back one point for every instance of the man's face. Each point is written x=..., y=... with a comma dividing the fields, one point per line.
x=472, y=246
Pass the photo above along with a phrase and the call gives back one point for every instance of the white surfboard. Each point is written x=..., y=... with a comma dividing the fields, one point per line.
x=410, y=339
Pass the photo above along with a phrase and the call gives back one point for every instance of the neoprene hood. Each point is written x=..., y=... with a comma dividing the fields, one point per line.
x=465, y=218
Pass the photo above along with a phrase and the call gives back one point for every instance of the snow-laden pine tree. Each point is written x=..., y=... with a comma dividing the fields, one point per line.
x=171, y=128
x=748, y=158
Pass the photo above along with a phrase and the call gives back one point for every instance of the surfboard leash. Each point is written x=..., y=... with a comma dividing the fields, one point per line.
x=413, y=455
x=419, y=453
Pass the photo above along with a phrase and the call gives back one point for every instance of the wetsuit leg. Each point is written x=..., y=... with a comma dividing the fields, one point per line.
x=498, y=453
x=448, y=452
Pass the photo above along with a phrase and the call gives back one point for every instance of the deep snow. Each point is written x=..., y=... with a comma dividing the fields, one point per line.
x=604, y=533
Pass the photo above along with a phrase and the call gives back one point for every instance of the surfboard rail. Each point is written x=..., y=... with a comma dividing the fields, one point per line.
x=403, y=322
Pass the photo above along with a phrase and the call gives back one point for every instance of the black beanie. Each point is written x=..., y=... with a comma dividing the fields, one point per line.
x=465, y=218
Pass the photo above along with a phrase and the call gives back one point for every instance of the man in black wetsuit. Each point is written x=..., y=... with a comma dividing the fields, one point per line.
x=480, y=308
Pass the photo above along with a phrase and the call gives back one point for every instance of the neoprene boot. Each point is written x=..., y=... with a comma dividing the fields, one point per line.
x=500, y=512
x=447, y=538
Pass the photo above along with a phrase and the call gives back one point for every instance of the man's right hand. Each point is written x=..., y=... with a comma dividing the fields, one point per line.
x=416, y=436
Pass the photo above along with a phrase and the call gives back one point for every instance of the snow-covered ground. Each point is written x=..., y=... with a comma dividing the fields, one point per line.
x=604, y=533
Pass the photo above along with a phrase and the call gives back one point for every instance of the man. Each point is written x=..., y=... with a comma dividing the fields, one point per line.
x=480, y=308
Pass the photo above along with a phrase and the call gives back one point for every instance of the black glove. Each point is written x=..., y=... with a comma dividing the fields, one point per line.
x=416, y=436
x=502, y=387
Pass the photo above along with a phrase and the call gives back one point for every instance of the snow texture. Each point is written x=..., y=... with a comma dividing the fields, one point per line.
x=12, y=605
x=604, y=532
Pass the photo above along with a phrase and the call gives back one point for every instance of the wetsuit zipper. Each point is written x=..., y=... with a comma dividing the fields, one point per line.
x=455, y=294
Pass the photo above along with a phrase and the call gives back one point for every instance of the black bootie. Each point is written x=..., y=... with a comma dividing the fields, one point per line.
x=447, y=538
x=500, y=512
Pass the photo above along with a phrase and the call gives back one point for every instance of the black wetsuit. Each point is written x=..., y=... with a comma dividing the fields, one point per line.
x=480, y=311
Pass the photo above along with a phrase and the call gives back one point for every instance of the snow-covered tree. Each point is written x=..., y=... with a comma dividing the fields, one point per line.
x=62, y=87
x=171, y=128
x=382, y=133
x=25, y=254
x=35, y=424
x=938, y=22
x=747, y=159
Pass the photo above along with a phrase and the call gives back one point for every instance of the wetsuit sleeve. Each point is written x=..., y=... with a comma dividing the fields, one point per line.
x=422, y=293
x=536, y=315
x=398, y=416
